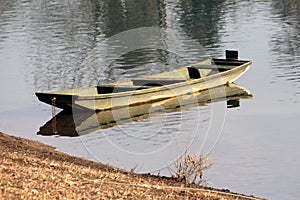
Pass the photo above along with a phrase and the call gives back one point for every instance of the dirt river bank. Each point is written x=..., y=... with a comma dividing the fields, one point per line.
x=32, y=170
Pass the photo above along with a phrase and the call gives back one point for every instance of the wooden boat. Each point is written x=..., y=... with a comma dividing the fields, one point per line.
x=80, y=122
x=193, y=78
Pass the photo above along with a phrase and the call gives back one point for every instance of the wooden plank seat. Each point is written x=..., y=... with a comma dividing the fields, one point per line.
x=155, y=81
x=107, y=89
x=213, y=67
x=193, y=72
x=228, y=62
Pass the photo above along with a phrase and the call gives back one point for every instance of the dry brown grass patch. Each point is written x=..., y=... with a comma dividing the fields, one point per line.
x=189, y=168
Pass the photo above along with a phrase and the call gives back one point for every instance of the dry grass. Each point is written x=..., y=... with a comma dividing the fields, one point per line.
x=189, y=168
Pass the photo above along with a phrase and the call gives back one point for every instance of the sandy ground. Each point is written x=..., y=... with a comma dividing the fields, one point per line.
x=32, y=170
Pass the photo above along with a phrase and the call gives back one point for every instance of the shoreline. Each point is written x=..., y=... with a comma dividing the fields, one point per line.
x=30, y=169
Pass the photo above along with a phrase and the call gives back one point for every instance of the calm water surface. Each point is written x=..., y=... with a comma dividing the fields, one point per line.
x=47, y=45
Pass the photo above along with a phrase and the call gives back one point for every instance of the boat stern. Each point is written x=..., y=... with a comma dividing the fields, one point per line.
x=63, y=101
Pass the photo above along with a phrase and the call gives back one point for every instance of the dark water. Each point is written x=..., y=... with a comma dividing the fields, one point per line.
x=49, y=45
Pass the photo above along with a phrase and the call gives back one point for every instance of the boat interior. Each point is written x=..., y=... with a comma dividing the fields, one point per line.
x=198, y=70
x=194, y=71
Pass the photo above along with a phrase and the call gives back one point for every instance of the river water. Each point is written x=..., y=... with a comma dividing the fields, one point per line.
x=51, y=45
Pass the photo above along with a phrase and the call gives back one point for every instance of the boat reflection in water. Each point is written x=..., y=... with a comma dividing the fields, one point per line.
x=77, y=123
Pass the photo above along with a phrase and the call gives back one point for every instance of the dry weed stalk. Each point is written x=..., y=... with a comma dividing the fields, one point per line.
x=189, y=168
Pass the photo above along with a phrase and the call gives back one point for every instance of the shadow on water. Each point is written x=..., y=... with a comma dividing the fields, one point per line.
x=285, y=43
x=68, y=123
x=201, y=20
x=142, y=62
x=61, y=37
x=120, y=16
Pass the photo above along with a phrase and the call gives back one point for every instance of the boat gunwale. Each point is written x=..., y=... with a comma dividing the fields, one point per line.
x=166, y=87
